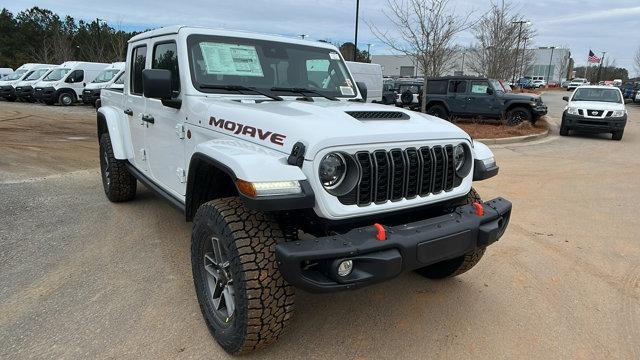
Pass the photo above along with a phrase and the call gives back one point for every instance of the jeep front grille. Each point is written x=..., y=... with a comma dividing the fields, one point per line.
x=402, y=174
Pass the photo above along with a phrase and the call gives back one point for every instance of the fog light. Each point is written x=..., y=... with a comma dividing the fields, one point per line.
x=345, y=268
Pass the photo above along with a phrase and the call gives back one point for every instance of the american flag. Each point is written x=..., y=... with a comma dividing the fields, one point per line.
x=593, y=58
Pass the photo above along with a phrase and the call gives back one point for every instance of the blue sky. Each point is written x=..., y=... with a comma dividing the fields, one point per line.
x=601, y=25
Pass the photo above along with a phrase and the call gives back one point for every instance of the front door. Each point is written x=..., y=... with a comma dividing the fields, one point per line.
x=135, y=106
x=165, y=137
x=480, y=101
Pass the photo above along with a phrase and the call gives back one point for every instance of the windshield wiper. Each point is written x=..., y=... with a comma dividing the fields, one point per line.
x=303, y=92
x=240, y=88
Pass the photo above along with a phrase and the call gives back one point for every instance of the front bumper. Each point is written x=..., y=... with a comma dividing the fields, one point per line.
x=24, y=92
x=539, y=110
x=7, y=91
x=45, y=94
x=312, y=264
x=606, y=124
x=90, y=96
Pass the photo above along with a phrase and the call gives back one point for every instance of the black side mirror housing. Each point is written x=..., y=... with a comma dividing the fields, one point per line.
x=490, y=91
x=156, y=84
x=362, y=87
x=565, y=98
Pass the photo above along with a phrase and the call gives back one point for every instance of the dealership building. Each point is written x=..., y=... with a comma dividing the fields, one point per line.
x=544, y=61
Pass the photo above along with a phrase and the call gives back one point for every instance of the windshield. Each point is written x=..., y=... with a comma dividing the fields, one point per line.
x=15, y=76
x=56, y=74
x=496, y=85
x=37, y=74
x=217, y=61
x=105, y=76
x=604, y=95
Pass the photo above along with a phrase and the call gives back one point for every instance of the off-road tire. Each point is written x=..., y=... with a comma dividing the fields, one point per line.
x=456, y=266
x=617, y=135
x=264, y=302
x=66, y=99
x=517, y=115
x=438, y=111
x=119, y=185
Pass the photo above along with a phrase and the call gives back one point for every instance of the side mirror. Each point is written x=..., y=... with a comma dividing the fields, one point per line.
x=156, y=83
x=490, y=91
x=362, y=87
x=70, y=79
x=565, y=98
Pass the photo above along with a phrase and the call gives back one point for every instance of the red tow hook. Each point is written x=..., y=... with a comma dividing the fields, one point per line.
x=382, y=233
x=479, y=208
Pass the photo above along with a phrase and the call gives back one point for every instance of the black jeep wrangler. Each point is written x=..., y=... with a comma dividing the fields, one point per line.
x=468, y=96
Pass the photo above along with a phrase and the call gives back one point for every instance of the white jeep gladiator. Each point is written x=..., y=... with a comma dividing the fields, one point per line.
x=290, y=178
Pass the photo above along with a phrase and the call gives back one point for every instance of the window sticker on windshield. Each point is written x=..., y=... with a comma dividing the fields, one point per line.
x=230, y=59
x=334, y=56
x=346, y=90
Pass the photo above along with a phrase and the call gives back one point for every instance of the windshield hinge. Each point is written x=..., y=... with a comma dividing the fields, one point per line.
x=297, y=155
x=180, y=131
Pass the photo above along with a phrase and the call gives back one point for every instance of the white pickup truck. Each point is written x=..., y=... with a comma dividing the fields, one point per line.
x=290, y=178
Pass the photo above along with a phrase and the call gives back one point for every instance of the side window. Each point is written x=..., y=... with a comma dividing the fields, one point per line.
x=138, y=59
x=165, y=56
x=479, y=87
x=457, y=86
x=436, y=86
x=76, y=76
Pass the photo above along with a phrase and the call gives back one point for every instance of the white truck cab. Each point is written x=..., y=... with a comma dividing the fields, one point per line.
x=258, y=139
x=65, y=84
x=5, y=71
x=24, y=88
x=106, y=78
x=7, y=84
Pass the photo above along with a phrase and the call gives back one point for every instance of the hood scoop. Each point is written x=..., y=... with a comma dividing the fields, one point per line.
x=378, y=115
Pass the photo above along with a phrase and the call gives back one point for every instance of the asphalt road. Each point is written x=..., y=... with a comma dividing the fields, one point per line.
x=84, y=278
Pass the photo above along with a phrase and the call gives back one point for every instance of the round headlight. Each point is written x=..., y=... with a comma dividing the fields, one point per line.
x=458, y=157
x=332, y=170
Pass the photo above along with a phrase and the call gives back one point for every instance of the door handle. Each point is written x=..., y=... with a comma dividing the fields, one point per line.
x=148, y=118
x=128, y=112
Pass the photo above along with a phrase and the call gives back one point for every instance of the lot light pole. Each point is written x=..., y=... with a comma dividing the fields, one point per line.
x=355, y=42
x=369, y=52
x=462, y=65
x=524, y=53
x=550, y=59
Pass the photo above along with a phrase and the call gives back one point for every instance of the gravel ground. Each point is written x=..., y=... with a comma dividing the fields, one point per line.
x=84, y=278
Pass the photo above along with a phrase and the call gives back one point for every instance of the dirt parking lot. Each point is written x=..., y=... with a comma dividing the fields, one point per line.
x=84, y=278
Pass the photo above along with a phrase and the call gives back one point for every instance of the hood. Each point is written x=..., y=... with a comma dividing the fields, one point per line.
x=596, y=105
x=9, y=82
x=318, y=125
x=26, y=83
x=520, y=96
x=43, y=83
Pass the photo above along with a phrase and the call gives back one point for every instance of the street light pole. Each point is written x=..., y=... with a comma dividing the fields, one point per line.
x=524, y=53
x=600, y=67
x=550, y=59
x=462, y=67
x=355, y=42
x=369, y=52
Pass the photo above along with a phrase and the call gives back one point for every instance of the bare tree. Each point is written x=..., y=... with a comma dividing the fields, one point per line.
x=636, y=60
x=423, y=30
x=498, y=33
x=563, y=63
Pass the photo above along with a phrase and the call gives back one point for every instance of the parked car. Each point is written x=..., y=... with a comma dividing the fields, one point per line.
x=565, y=84
x=474, y=96
x=7, y=84
x=254, y=163
x=524, y=83
x=389, y=94
x=577, y=82
x=91, y=92
x=5, y=71
x=408, y=94
x=617, y=82
x=553, y=84
x=595, y=109
x=538, y=84
x=24, y=88
x=65, y=84
x=371, y=75
x=628, y=90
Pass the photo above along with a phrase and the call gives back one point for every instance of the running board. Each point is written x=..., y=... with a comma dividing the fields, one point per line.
x=173, y=201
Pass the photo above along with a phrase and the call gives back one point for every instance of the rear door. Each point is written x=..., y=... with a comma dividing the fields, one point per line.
x=456, y=97
x=165, y=136
x=135, y=104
